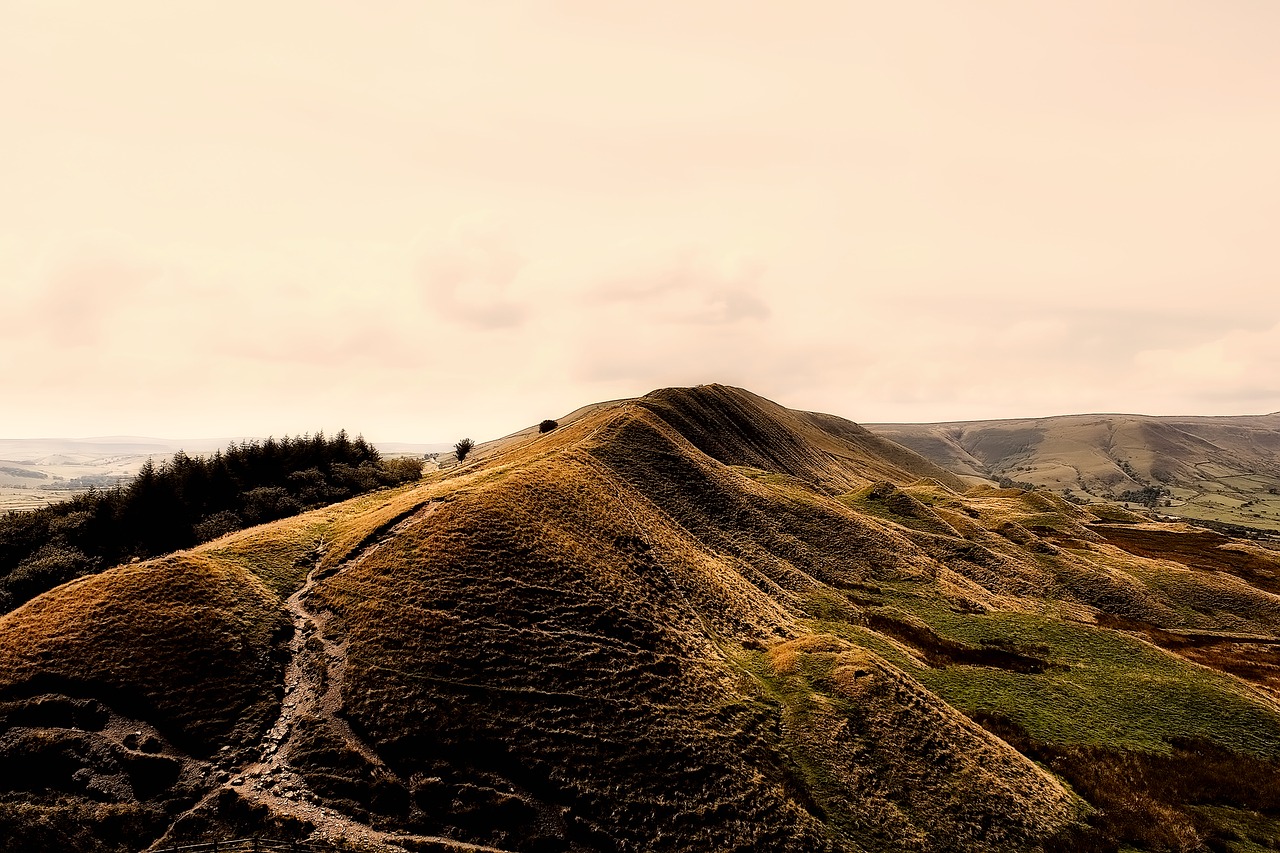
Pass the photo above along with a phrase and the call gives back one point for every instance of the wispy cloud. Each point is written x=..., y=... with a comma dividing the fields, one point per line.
x=686, y=289
x=468, y=277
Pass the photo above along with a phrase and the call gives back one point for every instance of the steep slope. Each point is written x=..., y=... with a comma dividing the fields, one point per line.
x=691, y=621
x=1215, y=469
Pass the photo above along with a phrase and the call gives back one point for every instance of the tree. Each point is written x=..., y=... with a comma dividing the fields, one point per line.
x=547, y=426
x=463, y=447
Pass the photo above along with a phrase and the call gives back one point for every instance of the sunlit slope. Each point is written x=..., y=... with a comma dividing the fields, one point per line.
x=691, y=621
x=1218, y=469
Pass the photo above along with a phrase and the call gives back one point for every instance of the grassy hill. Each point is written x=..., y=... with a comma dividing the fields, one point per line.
x=1224, y=469
x=693, y=621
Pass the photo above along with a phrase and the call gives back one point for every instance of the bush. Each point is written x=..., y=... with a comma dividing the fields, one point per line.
x=1148, y=496
x=267, y=503
x=547, y=426
x=403, y=469
x=463, y=447
x=219, y=524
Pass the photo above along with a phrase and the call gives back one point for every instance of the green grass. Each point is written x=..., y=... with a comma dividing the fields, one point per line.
x=793, y=697
x=1112, y=691
x=1250, y=832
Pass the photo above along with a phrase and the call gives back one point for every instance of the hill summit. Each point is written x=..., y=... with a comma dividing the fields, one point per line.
x=691, y=621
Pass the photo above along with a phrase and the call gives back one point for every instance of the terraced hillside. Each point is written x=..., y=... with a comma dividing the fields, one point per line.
x=693, y=621
x=1224, y=469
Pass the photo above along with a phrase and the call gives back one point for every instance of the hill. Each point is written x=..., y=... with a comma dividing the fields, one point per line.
x=690, y=621
x=1224, y=469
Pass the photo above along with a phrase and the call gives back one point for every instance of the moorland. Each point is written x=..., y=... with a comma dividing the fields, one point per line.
x=690, y=621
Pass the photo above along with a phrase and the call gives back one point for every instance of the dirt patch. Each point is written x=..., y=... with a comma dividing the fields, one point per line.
x=939, y=651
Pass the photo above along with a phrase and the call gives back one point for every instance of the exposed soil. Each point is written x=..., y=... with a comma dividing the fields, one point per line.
x=939, y=651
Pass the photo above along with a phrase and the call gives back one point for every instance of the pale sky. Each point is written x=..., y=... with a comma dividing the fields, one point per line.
x=422, y=220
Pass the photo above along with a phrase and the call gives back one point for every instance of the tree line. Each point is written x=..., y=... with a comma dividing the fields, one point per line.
x=183, y=502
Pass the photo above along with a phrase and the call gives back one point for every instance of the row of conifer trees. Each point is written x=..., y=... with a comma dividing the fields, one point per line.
x=185, y=501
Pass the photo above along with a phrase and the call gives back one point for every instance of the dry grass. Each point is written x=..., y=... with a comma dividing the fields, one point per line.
x=182, y=641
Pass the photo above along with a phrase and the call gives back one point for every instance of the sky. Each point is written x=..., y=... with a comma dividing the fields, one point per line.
x=424, y=220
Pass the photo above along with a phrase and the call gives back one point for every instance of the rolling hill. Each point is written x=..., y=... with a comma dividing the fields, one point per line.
x=1222, y=469
x=691, y=621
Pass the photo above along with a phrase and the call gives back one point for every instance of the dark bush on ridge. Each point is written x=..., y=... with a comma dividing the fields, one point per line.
x=183, y=502
x=547, y=426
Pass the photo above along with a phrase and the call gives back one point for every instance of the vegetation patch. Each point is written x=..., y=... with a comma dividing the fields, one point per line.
x=1195, y=795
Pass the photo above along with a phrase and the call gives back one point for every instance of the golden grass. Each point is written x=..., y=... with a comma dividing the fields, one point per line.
x=183, y=640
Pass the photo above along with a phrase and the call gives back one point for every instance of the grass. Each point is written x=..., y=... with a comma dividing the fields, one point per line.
x=838, y=700
x=1108, y=688
x=283, y=552
x=208, y=630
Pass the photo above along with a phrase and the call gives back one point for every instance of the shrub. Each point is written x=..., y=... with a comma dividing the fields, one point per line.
x=403, y=469
x=219, y=524
x=463, y=447
x=267, y=503
x=1148, y=496
x=547, y=426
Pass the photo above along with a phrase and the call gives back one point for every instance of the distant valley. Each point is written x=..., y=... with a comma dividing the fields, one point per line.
x=1216, y=469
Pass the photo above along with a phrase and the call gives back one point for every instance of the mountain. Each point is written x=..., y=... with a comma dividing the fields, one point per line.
x=691, y=621
x=1224, y=469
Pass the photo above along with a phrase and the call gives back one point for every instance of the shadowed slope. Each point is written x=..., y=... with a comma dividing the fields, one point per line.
x=183, y=642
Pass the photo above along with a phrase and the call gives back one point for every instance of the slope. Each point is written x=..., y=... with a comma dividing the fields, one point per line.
x=691, y=621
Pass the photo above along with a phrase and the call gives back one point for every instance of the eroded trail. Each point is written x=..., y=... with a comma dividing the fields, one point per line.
x=281, y=777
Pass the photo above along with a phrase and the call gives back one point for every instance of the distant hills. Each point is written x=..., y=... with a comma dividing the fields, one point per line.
x=692, y=621
x=1223, y=469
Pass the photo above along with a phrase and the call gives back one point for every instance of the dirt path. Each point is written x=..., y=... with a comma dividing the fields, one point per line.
x=313, y=682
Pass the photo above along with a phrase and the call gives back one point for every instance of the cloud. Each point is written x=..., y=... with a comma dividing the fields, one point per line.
x=468, y=276
x=82, y=285
x=687, y=289
x=1240, y=365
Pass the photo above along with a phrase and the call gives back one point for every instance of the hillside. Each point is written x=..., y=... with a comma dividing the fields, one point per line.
x=1224, y=469
x=692, y=621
